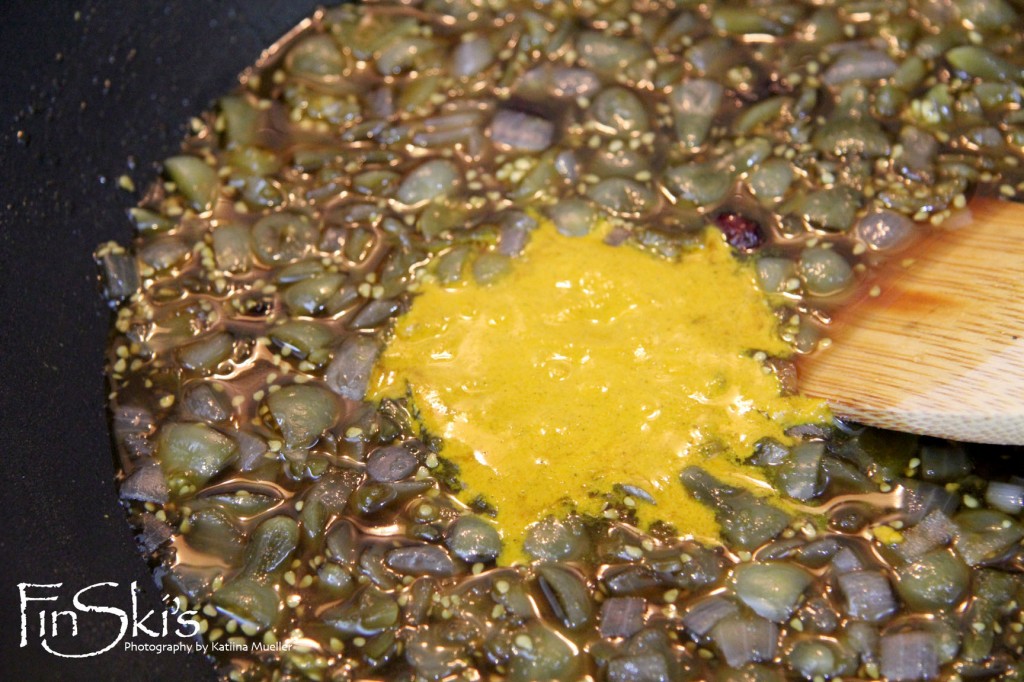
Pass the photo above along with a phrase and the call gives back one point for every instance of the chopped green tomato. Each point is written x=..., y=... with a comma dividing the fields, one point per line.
x=195, y=179
x=194, y=452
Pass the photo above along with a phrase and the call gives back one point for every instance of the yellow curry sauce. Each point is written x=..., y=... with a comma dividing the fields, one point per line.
x=588, y=366
x=317, y=538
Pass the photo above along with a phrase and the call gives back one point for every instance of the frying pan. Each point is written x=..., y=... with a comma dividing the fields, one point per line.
x=90, y=90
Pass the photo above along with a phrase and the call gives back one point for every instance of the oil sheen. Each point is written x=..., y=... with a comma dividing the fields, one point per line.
x=588, y=366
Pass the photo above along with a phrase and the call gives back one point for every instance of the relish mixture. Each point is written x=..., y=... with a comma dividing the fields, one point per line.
x=456, y=344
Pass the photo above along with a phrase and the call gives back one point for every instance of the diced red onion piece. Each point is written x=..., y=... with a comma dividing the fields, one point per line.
x=146, y=484
x=152, y=533
x=846, y=561
x=129, y=419
x=522, y=131
x=745, y=639
x=512, y=240
x=935, y=530
x=944, y=462
x=868, y=595
x=390, y=464
x=1006, y=497
x=705, y=613
x=622, y=616
x=909, y=656
x=920, y=498
x=421, y=560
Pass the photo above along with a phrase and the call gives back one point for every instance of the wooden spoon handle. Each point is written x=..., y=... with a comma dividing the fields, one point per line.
x=941, y=350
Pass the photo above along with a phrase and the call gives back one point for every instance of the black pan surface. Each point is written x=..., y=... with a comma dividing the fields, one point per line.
x=89, y=90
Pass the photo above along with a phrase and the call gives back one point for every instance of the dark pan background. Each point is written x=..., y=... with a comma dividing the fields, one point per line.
x=89, y=90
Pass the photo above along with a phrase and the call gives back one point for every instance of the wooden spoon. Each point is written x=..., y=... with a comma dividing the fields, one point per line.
x=940, y=349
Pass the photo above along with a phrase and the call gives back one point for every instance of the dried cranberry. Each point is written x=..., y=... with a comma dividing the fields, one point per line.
x=741, y=232
x=256, y=307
